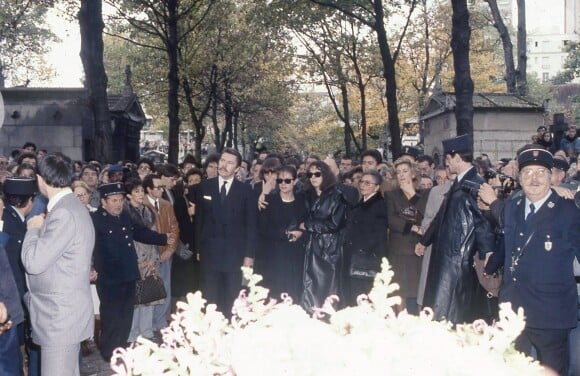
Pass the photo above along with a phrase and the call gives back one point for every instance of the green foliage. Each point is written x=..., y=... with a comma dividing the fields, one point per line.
x=571, y=66
x=234, y=46
x=24, y=37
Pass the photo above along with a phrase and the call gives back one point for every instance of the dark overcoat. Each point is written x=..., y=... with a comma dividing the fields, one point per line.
x=403, y=214
x=225, y=232
x=325, y=222
x=458, y=233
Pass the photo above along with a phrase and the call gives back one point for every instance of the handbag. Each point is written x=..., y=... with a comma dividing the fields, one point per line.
x=149, y=289
x=491, y=283
x=183, y=251
x=364, y=265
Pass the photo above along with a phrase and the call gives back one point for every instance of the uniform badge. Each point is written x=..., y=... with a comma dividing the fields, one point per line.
x=550, y=204
x=548, y=244
x=519, y=201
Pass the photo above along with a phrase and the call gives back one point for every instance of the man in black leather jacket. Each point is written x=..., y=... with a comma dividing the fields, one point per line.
x=458, y=233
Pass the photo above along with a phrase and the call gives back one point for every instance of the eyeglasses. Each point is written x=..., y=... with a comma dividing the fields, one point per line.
x=269, y=171
x=540, y=173
x=79, y=195
x=367, y=182
x=316, y=174
x=285, y=181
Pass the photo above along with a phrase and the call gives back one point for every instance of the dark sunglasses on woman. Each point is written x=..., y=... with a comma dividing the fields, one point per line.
x=316, y=174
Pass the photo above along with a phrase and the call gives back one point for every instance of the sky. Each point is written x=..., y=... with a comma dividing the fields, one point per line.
x=64, y=56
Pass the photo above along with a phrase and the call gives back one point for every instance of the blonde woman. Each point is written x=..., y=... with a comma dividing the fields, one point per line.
x=405, y=208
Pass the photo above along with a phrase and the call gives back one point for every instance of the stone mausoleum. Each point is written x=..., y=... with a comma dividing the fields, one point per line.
x=61, y=120
x=502, y=123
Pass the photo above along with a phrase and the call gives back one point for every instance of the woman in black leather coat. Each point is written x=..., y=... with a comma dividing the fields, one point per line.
x=324, y=227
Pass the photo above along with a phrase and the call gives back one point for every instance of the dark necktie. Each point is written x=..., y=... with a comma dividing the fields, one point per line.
x=531, y=213
x=223, y=191
x=157, y=206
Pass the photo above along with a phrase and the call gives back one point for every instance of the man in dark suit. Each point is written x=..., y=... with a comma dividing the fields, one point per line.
x=542, y=237
x=225, y=231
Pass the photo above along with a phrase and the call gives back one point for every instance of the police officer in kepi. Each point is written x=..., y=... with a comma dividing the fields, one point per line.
x=542, y=237
x=116, y=264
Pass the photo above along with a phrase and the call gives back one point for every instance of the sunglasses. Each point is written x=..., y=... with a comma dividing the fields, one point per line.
x=285, y=181
x=316, y=174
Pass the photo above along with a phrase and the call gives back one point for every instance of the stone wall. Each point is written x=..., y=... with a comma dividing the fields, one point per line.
x=496, y=133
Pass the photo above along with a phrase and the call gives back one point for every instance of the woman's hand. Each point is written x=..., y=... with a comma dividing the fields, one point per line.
x=293, y=235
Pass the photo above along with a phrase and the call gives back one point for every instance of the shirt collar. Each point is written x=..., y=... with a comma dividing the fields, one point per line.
x=538, y=204
x=462, y=175
x=56, y=198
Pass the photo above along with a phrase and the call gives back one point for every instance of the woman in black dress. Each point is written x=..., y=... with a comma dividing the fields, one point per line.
x=282, y=249
x=324, y=227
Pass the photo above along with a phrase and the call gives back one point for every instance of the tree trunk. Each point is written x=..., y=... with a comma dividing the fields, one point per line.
x=462, y=82
x=228, y=118
x=389, y=74
x=214, y=120
x=346, y=112
x=91, y=28
x=235, y=123
x=508, y=47
x=197, y=121
x=522, y=73
x=173, y=81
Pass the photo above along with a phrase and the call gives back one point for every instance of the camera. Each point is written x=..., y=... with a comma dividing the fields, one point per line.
x=507, y=183
x=470, y=187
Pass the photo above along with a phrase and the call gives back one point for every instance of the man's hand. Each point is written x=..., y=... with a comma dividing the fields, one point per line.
x=93, y=275
x=5, y=323
x=487, y=256
x=190, y=209
x=35, y=222
x=248, y=262
x=419, y=249
x=566, y=193
x=486, y=194
x=170, y=239
x=3, y=313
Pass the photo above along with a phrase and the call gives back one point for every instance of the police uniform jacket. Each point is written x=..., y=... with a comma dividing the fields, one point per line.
x=541, y=279
x=16, y=229
x=115, y=257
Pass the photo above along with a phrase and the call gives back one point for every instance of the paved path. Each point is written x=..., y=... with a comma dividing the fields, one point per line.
x=94, y=364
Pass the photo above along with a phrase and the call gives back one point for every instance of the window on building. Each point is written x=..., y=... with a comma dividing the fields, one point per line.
x=545, y=62
x=545, y=77
x=536, y=44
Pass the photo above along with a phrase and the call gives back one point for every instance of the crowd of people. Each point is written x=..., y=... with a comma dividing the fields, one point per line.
x=81, y=238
